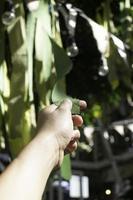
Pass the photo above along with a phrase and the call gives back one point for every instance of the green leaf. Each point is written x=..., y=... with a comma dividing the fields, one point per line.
x=43, y=63
x=20, y=112
x=66, y=168
x=43, y=15
x=120, y=72
x=59, y=91
x=30, y=29
x=62, y=62
x=75, y=104
x=17, y=36
x=15, y=146
x=43, y=52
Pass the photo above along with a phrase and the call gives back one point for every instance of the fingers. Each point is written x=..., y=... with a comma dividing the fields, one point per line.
x=72, y=146
x=83, y=104
x=77, y=120
x=75, y=136
x=65, y=105
x=68, y=103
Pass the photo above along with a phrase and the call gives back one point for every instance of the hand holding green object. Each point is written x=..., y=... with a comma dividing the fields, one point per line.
x=77, y=105
x=59, y=123
x=55, y=136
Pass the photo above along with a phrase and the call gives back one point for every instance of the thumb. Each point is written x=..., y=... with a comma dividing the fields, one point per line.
x=65, y=105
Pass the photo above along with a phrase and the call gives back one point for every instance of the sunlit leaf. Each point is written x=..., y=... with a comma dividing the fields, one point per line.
x=43, y=56
x=62, y=62
x=20, y=123
x=75, y=104
x=66, y=168
x=118, y=65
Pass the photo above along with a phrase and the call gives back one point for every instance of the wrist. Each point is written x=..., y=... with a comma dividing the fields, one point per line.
x=49, y=146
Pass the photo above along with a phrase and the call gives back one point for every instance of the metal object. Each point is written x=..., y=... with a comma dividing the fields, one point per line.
x=69, y=14
x=9, y=13
x=104, y=69
x=72, y=50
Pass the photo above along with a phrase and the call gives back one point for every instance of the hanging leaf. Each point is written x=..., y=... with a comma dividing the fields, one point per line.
x=63, y=66
x=66, y=168
x=43, y=15
x=43, y=54
x=120, y=71
x=62, y=62
x=4, y=88
x=30, y=112
x=31, y=23
x=20, y=121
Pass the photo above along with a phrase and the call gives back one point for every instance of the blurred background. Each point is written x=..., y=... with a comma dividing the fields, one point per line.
x=81, y=49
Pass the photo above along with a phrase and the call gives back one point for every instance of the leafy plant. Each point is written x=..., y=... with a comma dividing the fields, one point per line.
x=30, y=70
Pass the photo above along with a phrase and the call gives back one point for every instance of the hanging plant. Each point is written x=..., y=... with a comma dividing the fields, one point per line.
x=33, y=73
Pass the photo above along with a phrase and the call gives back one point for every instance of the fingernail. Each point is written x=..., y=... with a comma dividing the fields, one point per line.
x=83, y=104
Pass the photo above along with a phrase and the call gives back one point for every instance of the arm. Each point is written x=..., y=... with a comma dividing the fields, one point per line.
x=26, y=177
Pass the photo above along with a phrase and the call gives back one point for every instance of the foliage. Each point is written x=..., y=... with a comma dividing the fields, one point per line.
x=113, y=88
x=30, y=70
x=33, y=66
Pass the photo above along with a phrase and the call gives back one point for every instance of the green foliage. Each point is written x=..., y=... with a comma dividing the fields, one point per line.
x=115, y=18
x=34, y=63
x=75, y=105
x=66, y=168
x=33, y=66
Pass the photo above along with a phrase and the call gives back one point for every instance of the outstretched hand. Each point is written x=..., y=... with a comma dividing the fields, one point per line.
x=56, y=135
x=59, y=123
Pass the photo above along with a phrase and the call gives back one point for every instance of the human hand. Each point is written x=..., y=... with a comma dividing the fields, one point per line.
x=59, y=123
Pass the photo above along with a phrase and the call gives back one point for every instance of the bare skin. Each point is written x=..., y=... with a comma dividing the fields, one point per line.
x=26, y=176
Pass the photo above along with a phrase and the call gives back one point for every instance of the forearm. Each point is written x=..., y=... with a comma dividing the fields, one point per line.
x=26, y=177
